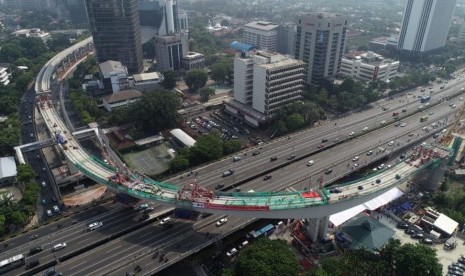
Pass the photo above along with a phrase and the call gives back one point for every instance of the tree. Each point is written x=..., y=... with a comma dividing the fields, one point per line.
x=267, y=257
x=25, y=173
x=208, y=147
x=232, y=146
x=295, y=121
x=179, y=163
x=417, y=259
x=169, y=81
x=156, y=111
x=221, y=71
x=205, y=93
x=195, y=79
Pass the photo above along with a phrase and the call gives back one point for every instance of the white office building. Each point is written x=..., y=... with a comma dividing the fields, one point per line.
x=267, y=81
x=425, y=24
x=368, y=66
x=262, y=34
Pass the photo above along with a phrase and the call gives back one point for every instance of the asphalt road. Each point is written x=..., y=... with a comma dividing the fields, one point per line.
x=210, y=175
x=187, y=237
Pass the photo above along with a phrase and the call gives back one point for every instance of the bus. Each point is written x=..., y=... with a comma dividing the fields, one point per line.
x=12, y=263
x=424, y=118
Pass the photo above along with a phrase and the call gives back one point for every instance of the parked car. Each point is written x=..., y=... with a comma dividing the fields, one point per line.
x=221, y=222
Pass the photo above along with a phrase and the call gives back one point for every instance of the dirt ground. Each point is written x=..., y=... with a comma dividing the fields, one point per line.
x=84, y=197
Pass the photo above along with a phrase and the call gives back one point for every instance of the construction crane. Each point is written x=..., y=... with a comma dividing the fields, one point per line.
x=448, y=137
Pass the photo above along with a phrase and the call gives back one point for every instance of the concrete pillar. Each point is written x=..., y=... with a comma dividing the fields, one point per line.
x=72, y=168
x=317, y=228
x=431, y=177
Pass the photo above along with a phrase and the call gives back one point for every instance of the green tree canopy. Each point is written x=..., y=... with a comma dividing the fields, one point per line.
x=195, y=79
x=156, y=111
x=205, y=93
x=267, y=257
x=25, y=173
x=221, y=71
x=169, y=81
x=208, y=147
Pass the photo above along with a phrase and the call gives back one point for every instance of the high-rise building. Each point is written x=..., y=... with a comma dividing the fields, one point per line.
x=267, y=81
x=425, y=25
x=320, y=43
x=77, y=11
x=286, y=39
x=163, y=15
x=261, y=34
x=115, y=28
x=28, y=4
x=170, y=50
x=368, y=66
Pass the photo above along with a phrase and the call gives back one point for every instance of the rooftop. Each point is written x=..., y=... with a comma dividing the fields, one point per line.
x=110, y=66
x=7, y=167
x=367, y=232
x=147, y=77
x=367, y=57
x=193, y=55
x=262, y=25
x=122, y=96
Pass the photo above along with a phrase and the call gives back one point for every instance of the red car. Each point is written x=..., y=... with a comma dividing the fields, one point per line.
x=266, y=177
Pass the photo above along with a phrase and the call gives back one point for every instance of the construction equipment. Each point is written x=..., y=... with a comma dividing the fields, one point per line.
x=447, y=139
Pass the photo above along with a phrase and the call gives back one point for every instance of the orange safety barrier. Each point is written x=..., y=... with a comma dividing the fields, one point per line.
x=311, y=194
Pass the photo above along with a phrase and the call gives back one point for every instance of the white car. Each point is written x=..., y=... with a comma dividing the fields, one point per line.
x=310, y=163
x=221, y=221
x=165, y=221
x=365, y=128
x=352, y=133
x=382, y=122
x=355, y=158
x=49, y=213
x=391, y=143
x=231, y=252
x=56, y=209
x=59, y=246
x=370, y=152
x=95, y=225
x=380, y=167
x=403, y=125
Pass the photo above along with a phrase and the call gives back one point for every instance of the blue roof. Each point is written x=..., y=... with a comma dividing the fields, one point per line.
x=243, y=47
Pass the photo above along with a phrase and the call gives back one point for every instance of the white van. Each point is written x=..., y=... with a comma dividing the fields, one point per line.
x=165, y=221
x=59, y=246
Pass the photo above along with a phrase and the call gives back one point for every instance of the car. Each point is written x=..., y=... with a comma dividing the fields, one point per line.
x=355, y=158
x=149, y=209
x=360, y=187
x=32, y=264
x=49, y=213
x=236, y=158
x=365, y=129
x=59, y=246
x=418, y=236
x=382, y=122
x=310, y=163
x=335, y=190
x=396, y=124
x=219, y=186
x=409, y=231
x=352, y=133
x=431, y=113
x=355, y=165
x=44, y=184
x=33, y=237
x=43, y=201
x=221, y=222
x=420, y=107
x=427, y=241
x=382, y=166
x=402, y=225
x=291, y=157
x=274, y=158
x=370, y=152
x=143, y=206
x=336, y=140
x=35, y=250
x=390, y=143
x=320, y=146
x=403, y=125
x=328, y=171
x=231, y=252
x=255, y=153
x=165, y=221
x=228, y=173
x=411, y=134
x=95, y=225
x=56, y=209
x=266, y=177
x=324, y=140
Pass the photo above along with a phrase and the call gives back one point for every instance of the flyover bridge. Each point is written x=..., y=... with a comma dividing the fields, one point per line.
x=314, y=203
x=290, y=204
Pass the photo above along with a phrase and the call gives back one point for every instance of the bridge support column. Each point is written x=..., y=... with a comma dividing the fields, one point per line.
x=430, y=178
x=71, y=167
x=317, y=227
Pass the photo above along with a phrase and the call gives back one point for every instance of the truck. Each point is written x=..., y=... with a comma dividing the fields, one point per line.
x=450, y=244
x=425, y=99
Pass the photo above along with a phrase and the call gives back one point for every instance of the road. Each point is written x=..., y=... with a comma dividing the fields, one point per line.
x=151, y=238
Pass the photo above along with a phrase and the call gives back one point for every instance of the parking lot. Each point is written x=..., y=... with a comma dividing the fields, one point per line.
x=446, y=257
x=230, y=127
